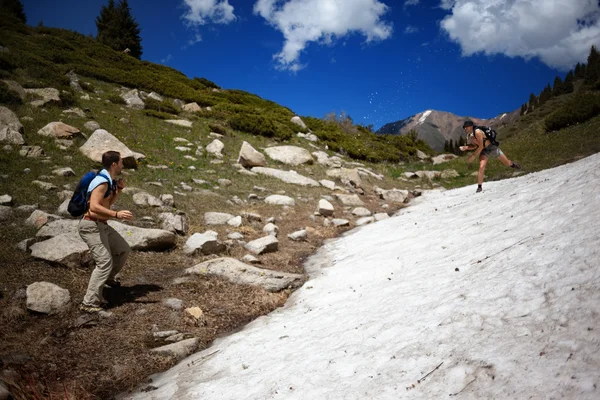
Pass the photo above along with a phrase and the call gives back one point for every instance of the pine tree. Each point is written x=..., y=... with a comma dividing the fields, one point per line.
x=545, y=94
x=593, y=66
x=557, y=89
x=446, y=146
x=568, y=83
x=579, y=72
x=118, y=29
x=451, y=146
x=15, y=8
x=533, y=102
x=523, y=108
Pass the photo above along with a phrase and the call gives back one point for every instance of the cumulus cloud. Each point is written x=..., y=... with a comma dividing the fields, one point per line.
x=321, y=21
x=411, y=29
x=558, y=32
x=200, y=12
x=411, y=3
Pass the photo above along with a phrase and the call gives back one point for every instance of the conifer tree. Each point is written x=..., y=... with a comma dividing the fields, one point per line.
x=593, y=66
x=15, y=8
x=118, y=29
x=578, y=72
x=568, y=83
x=557, y=89
x=533, y=102
x=523, y=108
x=545, y=94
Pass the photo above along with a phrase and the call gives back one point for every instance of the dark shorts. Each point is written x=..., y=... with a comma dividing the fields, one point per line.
x=492, y=151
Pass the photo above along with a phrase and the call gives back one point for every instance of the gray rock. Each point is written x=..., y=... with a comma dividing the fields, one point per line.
x=429, y=175
x=298, y=235
x=47, y=298
x=192, y=107
x=155, y=96
x=394, y=195
x=290, y=155
x=308, y=136
x=328, y=184
x=442, y=158
x=235, y=236
x=180, y=122
x=215, y=148
x=271, y=229
x=410, y=175
x=101, y=141
x=203, y=243
x=16, y=87
x=421, y=155
x=91, y=126
x=217, y=218
x=144, y=239
x=63, y=209
x=361, y=212
x=175, y=304
x=277, y=199
x=286, y=176
x=298, y=121
x=11, y=128
x=349, y=199
x=145, y=199
x=65, y=249
x=241, y=273
x=224, y=182
x=176, y=223
x=66, y=171
x=25, y=244
x=340, y=222
x=47, y=95
x=5, y=213
x=250, y=157
x=325, y=208
x=380, y=216
x=44, y=185
x=263, y=245
x=249, y=258
x=59, y=130
x=349, y=177
x=164, y=334
x=252, y=216
x=167, y=200
x=31, y=151
x=449, y=173
x=178, y=350
x=51, y=225
x=235, y=221
x=365, y=220
x=133, y=100
x=75, y=111
x=6, y=200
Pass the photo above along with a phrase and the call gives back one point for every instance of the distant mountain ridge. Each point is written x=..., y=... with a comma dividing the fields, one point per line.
x=435, y=127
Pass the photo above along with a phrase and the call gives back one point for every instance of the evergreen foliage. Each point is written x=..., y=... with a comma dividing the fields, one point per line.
x=580, y=108
x=568, y=84
x=592, y=73
x=14, y=8
x=118, y=29
x=557, y=89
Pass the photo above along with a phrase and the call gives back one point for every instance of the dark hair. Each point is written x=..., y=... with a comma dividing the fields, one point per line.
x=468, y=123
x=109, y=158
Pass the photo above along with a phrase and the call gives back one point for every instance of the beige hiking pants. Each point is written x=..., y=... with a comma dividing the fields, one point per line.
x=109, y=251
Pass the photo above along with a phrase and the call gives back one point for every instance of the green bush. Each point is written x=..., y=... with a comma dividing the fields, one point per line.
x=116, y=99
x=256, y=124
x=161, y=106
x=88, y=87
x=67, y=98
x=580, y=108
x=158, y=114
x=9, y=97
x=206, y=83
x=217, y=128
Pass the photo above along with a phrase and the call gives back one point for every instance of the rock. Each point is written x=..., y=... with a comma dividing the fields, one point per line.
x=167, y=200
x=224, y=182
x=178, y=350
x=47, y=95
x=271, y=229
x=290, y=155
x=349, y=199
x=280, y=200
x=365, y=220
x=64, y=172
x=328, y=184
x=308, y=136
x=192, y=107
x=298, y=235
x=75, y=111
x=101, y=141
x=203, y=243
x=65, y=249
x=249, y=258
x=178, y=103
x=235, y=221
x=25, y=244
x=47, y=298
x=16, y=87
x=194, y=316
x=361, y=212
x=63, y=209
x=298, y=121
x=176, y=223
x=32, y=151
x=143, y=239
x=6, y=200
x=175, y=304
x=250, y=157
x=133, y=100
x=394, y=195
x=430, y=175
x=325, y=208
x=181, y=122
x=4, y=392
x=340, y=222
x=91, y=126
x=155, y=96
x=235, y=236
x=286, y=176
x=39, y=218
x=217, y=218
x=183, y=149
x=241, y=273
x=44, y=185
x=366, y=172
x=380, y=216
x=348, y=177
x=449, y=173
x=215, y=148
x=145, y=199
x=442, y=158
x=324, y=159
x=11, y=128
x=421, y=155
x=252, y=216
x=5, y=213
x=263, y=245
x=164, y=334
x=410, y=175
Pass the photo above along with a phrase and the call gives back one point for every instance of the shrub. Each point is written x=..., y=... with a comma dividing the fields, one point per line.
x=116, y=99
x=158, y=114
x=9, y=97
x=206, y=83
x=88, y=87
x=580, y=108
x=161, y=106
x=217, y=128
x=67, y=98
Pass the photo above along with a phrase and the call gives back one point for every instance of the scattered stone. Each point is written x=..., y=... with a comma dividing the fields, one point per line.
x=133, y=100
x=241, y=273
x=410, y=175
x=328, y=184
x=176, y=223
x=430, y=175
x=224, y=182
x=298, y=121
x=380, y=216
x=181, y=122
x=47, y=298
x=6, y=200
x=183, y=149
x=349, y=199
x=44, y=185
x=249, y=258
x=59, y=130
x=192, y=107
x=145, y=199
x=16, y=87
x=361, y=212
x=449, y=173
x=65, y=249
x=155, y=96
x=286, y=176
x=75, y=111
x=25, y=244
x=271, y=229
x=215, y=148
x=298, y=235
x=280, y=200
x=308, y=136
x=325, y=208
x=195, y=316
x=393, y=195
x=442, y=158
x=175, y=304
x=47, y=95
x=217, y=218
x=290, y=155
x=5, y=212
x=178, y=350
x=11, y=128
x=251, y=216
x=64, y=172
x=203, y=243
x=39, y=218
x=349, y=177
x=235, y=221
x=101, y=141
x=365, y=220
x=164, y=334
x=91, y=126
x=263, y=245
x=235, y=236
x=32, y=151
x=340, y=222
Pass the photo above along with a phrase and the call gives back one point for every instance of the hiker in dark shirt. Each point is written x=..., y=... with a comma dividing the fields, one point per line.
x=484, y=147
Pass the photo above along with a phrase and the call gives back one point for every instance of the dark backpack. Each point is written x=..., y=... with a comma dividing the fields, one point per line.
x=489, y=133
x=78, y=204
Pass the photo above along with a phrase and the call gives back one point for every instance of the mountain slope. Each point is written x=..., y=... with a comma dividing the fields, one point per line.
x=435, y=127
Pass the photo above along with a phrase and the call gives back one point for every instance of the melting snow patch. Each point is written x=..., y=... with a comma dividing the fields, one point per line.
x=424, y=116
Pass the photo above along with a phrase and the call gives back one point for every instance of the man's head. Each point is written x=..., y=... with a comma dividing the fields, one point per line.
x=468, y=126
x=112, y=162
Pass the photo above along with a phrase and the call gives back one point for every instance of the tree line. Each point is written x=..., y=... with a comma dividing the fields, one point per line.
x=116, y=26
x=589, y=73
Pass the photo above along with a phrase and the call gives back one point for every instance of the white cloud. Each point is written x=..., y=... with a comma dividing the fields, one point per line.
x=166, y=59
x=321, y=21
x=558, y=32
x=411, y=3
x=411, y=29
x=200, y=12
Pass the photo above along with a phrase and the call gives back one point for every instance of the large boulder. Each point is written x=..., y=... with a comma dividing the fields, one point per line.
x=133, y=99
x=47, y=95
x=203, y=243
x=144, y=239
x=298, y=121
x=47, y=298
x=192, y=107
x=393, y=195
x=215, y=148
x=59, y=130
x=176, y=223
x=286, y=176
x=250, y=157
x=66, y=249
x=51, y=226
x=102, y=141
x=291, y=155
x=349, y=177
x=263, y=245
x=244, y=274
x=217, y=218
x=16, y=87
x=145, y=199
x=11, y=128
x=325, y=208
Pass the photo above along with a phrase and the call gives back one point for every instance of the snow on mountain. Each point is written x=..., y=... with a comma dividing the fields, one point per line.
x=490, y=295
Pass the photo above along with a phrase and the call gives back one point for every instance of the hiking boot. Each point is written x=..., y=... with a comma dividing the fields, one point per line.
x=113, y=283
x=515, y=165
x=479, y=189
x=90, y=309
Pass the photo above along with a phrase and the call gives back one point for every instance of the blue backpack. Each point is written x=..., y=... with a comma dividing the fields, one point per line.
x=78, y=204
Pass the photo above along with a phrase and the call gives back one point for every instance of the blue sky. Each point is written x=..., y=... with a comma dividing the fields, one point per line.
x=376, y=60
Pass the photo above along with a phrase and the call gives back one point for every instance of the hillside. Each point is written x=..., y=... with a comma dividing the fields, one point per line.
x=183, y=140
x=437, y=127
